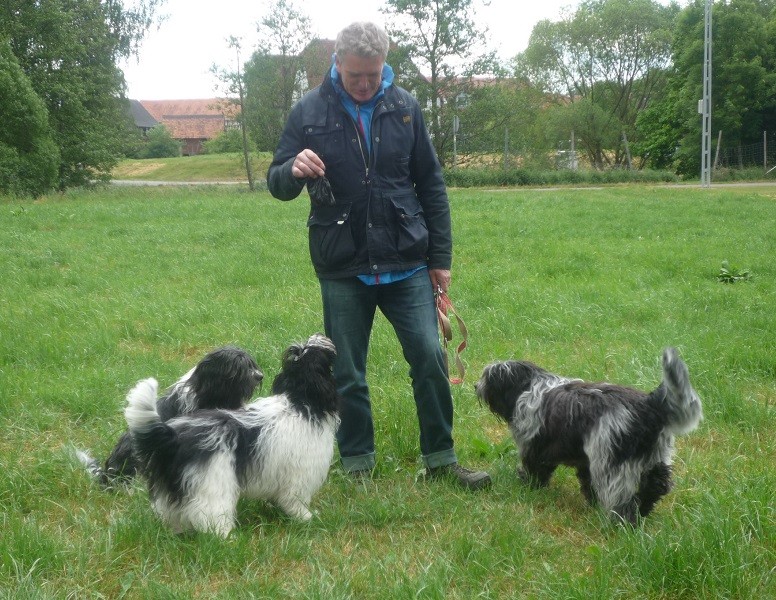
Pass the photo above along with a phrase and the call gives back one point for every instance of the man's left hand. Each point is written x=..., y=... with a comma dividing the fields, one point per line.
x=440, y=279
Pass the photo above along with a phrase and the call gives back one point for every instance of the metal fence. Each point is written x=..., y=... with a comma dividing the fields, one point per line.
x=762, y=154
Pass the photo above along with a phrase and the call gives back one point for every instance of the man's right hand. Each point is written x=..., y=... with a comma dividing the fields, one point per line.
x=308, y=164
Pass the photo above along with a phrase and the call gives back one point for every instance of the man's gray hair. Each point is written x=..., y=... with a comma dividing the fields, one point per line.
x=363, y=39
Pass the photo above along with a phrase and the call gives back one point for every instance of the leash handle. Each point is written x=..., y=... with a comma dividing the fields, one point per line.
x=445, y=307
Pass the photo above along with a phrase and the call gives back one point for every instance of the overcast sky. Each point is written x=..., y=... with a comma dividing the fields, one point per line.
x=175, y=60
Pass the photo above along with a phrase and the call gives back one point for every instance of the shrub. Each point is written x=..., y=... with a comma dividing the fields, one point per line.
x=227, y=142
x=159, y=144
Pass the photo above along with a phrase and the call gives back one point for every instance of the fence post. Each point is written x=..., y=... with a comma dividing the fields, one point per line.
x=506, y=147
x=627, y=151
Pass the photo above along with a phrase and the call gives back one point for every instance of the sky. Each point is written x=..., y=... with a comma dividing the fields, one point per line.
x=175, y=59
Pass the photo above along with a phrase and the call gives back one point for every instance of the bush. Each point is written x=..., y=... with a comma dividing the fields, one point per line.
x=227, y=142
x=159, y=144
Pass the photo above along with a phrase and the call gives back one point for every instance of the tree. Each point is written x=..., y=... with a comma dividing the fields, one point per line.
x=274, y=75
x=69, y=51
x=235, y=82
x=498, y=115
x=608, y=55
x=743, y=102
x=444, y=42
x=28, y=155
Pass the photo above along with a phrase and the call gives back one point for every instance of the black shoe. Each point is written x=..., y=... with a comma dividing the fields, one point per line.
x=471, y=480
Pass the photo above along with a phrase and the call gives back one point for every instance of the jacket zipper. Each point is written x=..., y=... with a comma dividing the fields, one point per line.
x=364, y=157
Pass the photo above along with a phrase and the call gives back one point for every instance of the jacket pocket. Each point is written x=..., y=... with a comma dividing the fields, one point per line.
x=412, y=232
x=328, y=142
x=330, y=238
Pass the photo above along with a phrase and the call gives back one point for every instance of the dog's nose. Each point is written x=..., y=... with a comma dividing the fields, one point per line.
x=258, y=376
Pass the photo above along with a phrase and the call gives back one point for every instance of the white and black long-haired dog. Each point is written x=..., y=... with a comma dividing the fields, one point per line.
x=277, y=448
x=619, y=439
x=225, y=378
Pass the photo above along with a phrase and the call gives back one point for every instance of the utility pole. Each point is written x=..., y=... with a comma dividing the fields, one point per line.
x=705, y=103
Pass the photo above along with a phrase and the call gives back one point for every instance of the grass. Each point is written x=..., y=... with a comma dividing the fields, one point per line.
x=199, y=168
x=102, y=288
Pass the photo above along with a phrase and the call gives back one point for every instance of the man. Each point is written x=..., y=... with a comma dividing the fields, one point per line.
x=381, y=239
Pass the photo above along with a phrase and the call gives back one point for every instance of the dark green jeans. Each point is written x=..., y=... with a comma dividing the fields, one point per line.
x=349, y=308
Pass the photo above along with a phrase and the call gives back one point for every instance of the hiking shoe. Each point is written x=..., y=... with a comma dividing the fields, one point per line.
x=471, y=480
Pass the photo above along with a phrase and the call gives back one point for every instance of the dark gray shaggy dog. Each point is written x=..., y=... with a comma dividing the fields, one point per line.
x=224, y=378
x=620, y=440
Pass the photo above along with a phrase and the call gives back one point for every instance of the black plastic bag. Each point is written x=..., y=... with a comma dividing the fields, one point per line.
x=320, y=192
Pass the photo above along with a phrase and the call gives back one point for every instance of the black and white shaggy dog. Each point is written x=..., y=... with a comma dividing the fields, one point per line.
x=619, y=439
x=277, y=448
x=225, y=378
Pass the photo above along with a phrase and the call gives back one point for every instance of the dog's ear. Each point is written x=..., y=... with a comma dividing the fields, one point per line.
x=292, y=354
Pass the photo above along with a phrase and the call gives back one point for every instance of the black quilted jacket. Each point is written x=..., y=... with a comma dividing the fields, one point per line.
x=391, y=210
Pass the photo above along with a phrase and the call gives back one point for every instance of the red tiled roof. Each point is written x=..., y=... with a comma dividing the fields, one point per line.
x=191, y=119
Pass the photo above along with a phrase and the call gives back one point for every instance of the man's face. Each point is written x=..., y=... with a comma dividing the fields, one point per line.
x=360, y=76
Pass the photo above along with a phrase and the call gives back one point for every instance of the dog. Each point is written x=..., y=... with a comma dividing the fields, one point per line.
x=225, y=378
x=620, y=440
x=278, y=448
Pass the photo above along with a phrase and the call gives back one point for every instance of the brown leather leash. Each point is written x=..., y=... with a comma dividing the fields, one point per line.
x=444, y=308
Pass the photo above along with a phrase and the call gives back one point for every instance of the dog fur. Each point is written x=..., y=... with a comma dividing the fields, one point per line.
x=277, y=448
x=620, y=440
x=225, y=378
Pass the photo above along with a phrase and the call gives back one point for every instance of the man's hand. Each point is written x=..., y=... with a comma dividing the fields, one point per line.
x=308, y=164
x=440, y=279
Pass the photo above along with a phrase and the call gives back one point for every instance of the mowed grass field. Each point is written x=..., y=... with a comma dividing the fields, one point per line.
x=102, y=288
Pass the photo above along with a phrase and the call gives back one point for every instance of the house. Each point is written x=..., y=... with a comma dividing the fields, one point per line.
x=191, y=122
x=142, y=118
x=316, y=60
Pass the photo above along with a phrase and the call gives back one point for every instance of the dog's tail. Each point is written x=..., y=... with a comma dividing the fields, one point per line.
x=683, y=406
x=141, y=405
x=92, y=466
x=153, y=441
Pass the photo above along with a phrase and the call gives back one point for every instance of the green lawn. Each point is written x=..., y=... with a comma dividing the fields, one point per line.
x=100, y=289
x=202, y=167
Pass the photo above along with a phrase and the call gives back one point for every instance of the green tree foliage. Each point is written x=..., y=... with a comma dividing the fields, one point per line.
x=275, y=76
x=159, y=144
x=497, y=115
x=743, y=74
x=603, y=63
x=444, y=42
x=69, y=50
x=28, y=156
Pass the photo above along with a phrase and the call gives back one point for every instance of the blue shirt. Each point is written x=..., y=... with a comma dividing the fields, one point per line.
x=365, y=110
